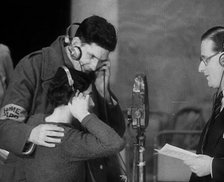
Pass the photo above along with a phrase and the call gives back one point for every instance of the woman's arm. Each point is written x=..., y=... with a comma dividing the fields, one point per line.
x=98, y=141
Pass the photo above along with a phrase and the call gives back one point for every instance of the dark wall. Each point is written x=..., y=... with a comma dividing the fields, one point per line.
x=27, y=26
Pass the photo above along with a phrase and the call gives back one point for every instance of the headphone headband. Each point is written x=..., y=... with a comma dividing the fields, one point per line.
x=67, y=36
x=69, y=76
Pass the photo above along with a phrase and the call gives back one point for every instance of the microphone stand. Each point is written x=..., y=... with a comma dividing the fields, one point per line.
x=138, y=117
x=139, y=163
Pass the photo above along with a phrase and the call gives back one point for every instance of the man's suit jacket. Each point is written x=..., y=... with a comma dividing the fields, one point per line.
x=214, y=147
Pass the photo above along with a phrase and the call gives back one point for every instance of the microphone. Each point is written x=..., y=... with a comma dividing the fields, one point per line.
x=140, y=103
x=138, y=117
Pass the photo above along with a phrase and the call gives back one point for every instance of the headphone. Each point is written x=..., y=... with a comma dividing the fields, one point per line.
x=75, y=51
x=69, y=76
x=221, y=59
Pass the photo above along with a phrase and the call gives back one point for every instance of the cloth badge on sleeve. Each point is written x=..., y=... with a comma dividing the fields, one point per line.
x=13, y=112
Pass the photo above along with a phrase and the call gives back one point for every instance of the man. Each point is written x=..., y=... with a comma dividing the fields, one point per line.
x=87, y=51
x=208, y=166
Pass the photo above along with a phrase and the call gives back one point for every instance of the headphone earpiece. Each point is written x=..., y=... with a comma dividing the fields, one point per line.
x=221, y=59
x=75, y=52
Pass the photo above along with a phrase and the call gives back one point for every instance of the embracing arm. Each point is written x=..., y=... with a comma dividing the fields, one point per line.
x=13, y=135
x=18, y=105
x=13, y=130
x=100, y=140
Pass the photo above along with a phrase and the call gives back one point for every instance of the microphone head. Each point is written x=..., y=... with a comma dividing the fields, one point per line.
x=140, y=104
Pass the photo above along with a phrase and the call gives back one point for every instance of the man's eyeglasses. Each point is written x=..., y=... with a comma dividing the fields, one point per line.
x=208, y=59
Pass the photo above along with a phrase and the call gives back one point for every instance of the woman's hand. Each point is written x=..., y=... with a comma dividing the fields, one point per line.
x=79, y=106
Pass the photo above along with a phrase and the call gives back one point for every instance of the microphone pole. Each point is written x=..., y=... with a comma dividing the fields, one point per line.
x=138, y=116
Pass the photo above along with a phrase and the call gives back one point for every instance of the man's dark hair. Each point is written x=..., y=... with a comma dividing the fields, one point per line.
x=216, y=34
x=95, y=29
x=60, y=92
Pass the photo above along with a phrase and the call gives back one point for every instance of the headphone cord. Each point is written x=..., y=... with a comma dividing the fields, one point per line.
x=104, y=95
x=219, y=88
x=220, y=83
x=107, y=121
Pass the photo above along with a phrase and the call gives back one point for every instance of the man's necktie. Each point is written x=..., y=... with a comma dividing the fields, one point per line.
x=217, y=105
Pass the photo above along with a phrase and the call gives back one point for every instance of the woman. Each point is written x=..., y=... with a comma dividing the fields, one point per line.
x=85, y=137
x=209, y=164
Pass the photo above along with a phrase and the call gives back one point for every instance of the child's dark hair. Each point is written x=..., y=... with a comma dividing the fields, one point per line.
x=60, y=92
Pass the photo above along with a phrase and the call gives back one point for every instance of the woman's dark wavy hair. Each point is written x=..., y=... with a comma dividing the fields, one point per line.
x=95, y=29
x=60, y=92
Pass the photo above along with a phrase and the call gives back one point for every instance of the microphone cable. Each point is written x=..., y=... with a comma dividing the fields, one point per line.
x=104, y=95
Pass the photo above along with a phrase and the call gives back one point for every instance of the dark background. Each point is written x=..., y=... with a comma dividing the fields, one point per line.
x=27, y=26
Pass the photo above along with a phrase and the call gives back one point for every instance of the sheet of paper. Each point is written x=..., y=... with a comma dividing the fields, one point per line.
x=176, y=152
x=3, y=154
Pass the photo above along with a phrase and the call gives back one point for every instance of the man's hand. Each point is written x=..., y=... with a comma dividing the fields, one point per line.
x=199, y=165
x=103, y=75
x=46, y=135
